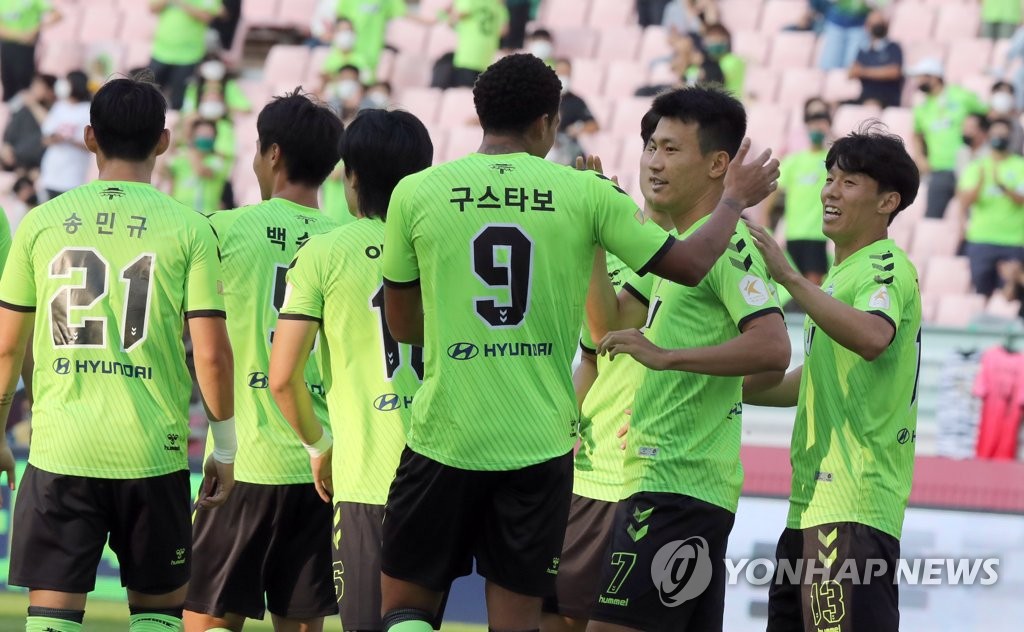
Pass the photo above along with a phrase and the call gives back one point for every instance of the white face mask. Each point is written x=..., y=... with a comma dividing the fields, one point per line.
x=344, y=40
x=566, y=83
x=212, y=70
x=1002, y=102
x=377, y=99
x=62, y=89
x=346, y=89
x=541, y=49
x=211, y=110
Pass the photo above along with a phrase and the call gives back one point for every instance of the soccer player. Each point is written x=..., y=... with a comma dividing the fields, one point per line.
x=486, y=260
x=108, y=273
x=682, y=472
x=856, y=398
x=335, y=286
x=279, y=545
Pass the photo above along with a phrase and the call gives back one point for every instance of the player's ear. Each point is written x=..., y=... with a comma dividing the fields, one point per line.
x=89, y=138
x=164, y=143
x=889, y=203
x=719, y=165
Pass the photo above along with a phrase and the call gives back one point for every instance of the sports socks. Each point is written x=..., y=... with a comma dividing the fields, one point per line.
x=53, y=620
x=408, y=620
x=155, y=620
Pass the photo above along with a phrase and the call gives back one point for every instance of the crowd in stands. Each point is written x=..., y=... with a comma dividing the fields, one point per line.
x=946, y=75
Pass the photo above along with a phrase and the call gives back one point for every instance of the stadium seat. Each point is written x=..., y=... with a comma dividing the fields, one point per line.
x=456, y=108
x=575, y=41
x=767, y=124
x=314, y=66
x=608, y=147
x=911, y=22
x=257, y=13
x=957, y=21
x=902, y=231
x=999, y=51
x=296, y=14
x=137, y=54
x=752, y=46
x=407, y=35
x=967, y=57
x=601, y=108
x=761, y=85
x=799, y=84
x=627, y=115
x=849, y=118
x=662, y=75
x=740, y=15
x=959, y=311
x=914, y=52
x=60, y=58
x=430, y=8
x=946, y=275
x=915, y=211
x=423, y=102
x=999, y=307
x=778, y=14
x=980, y=85
x=605, y=13
x=555, y=13
x=588, y=77
x=411, y=70
x=900, y=121
x=654, y=44
x=441, y=39
x=65, y=31
x=285, y=63
x=256, y=91
x=138, y=26
x=934, y=238
x=792, y=50
x=624, y=77
x=618, y=41
x=839, y=87
x=461, y=141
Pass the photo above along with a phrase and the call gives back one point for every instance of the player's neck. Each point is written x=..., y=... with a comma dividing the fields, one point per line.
x=124, y=171
x=297, y=194
x=499, y=144
x=699, y=208
x=847, y=250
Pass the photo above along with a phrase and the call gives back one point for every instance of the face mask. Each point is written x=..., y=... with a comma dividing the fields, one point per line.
x=62, y=89
x=1002, y=102
x=346, y=89
x=211, y=110
x=817, y=137
x=204, y=145
x=999, y=143
x=879, y=31
x=212, y=70
x=541, y=49
x=717, y=50
x=968, y=140
x=925, y=87
x=566, y=82
x=377, y=99
x=345, y=40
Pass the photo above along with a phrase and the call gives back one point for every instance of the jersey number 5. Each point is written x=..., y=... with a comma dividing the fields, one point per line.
x=92, y=332
x=503, y=258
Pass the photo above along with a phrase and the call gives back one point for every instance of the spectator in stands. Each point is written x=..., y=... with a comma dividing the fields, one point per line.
x=179, y=43
x=345, y=53
x=844, y=33
x=213, y=107
x=196, y=172
x=690, y=16
x=213, y=76
x=816, y=105
x=938, y=124
x=651, y=12
x=66, y=160
x=574, y=114
x=999, y=18
x=345, y=92
x=20, y=24
x=1012, y=66
x=479, y=25
x=975, y=137
x=718, y=46
x=378, y=96
x=991, y=192
x=520, y=12
x=1003, y=104
x=369, y=19
x=226, y=23
x=22, y=148
x=879, y=65
x=540, y=44
x=25, y=193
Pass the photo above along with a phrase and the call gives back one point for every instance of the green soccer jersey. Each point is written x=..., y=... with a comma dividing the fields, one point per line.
x=478, y=32
x=334, y=204
x=370, y=378
x=994, y=217
x=180, y=39
x=200, y=193
x=257, y=244
x=5, y=238
x=802, y=177
x=940, y=119
x=370, y=22
x=110, y=268
x=23, y=16
x=685, y=432
x=1003, y=11
x=856, y=421
x=503, y=246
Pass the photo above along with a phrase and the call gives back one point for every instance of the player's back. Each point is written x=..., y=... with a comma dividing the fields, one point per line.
x=257, y=244
x=503, y=246
x=110, y=268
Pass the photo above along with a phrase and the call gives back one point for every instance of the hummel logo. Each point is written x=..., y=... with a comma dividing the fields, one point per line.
x=503, y=168
x=112, y=192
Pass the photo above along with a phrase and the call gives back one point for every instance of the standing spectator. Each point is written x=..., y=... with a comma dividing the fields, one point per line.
x=20, y=23
x=22, y=148
x=975, y=137
x=651, y=12
x=518, y=16
x=844, y=33
x=992, y=201
x=226, y=24
x=179, y=43
x=369, y=19
x=478, y=25
x=718, y=46
x=879, y=65
x=1003, y=105
x=999, y=18
x=197, y=173
x=938, y=122
x=213, y=75
x=690, y=16
x=66, y=161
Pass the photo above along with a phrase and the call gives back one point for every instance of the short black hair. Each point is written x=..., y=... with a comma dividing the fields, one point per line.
x=48, y=79
x=308, y=133
x=881, y=156
x=717, y=29
x=381, y=147
x=200, y=122
x=980, y=119
x=1000, y=121
x=546, y=34
x=1000, y=85
x=128, y=116
x=648, y=124
x=79, y=83
x=514, y=92
x=351, y=67
x=720, y=118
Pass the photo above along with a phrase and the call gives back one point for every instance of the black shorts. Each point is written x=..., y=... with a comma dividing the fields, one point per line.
x=809, y=255
x=61, y=524
x=665, y=569
x=587, y=538
x=439, y=518
x=357, y=542
x=269, y=542
x=802, y=597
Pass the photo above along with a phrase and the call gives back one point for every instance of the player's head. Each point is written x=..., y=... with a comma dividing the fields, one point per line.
x=518, y=96
x=871, y=178
x=647, y=126
x=299, y=143
x=379, y=149
x=699, y=131
x=126, y=121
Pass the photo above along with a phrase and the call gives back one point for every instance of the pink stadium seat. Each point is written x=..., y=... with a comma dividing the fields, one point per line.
x=902, y=231
x=778, y=14
x=999, y=51
x=461, y=141
x=440, y=140
x=626, y=117
x=137, y=54
x=849, y=118
x=423, y=102
x=752, y=46
x=959, y=311
x=915, y=211
x=317, y=56
x=740, y=15
x=796, y=138
x=618, y=42
x=654, y=44
x=457, y=108
x=800, y=84
x=914, y=52
x=624, y=77
x=257, y=92
x=286, y=64
x=563, y=13
x=911, y=22
x=933, y=238
x=946, y=275
x=588, y=77
x=999, y=307
x=430, y=8
x=900, y=121
x=441, y=39
x=601, y=108
x=407, y=35
x=64, y=31
x=575, y=41
x=605, y=13
x=138, y=25
x=411, y=70
x=662, y=75
x=60, y=58
x=761, y=85
x=967, y=57
x=296, y=14
x=792, y=50
x=260, y=12
x=766, y=124
x=957, y=21
x=608, y=147
x=980, y=85
x=630, y=148
x=839, y=87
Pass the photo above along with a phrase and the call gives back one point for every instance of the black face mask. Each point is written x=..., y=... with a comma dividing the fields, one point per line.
x=968, y=140
x=32, y=200
x=999, y=143
x=879, y=31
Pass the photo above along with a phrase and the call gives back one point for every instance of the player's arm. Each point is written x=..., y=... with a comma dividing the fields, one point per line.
x=403, y=309
x=585, y=375
x=607, y=311
x=760, y=390
x=15, y=334
x=403, y=296
x=865, y=333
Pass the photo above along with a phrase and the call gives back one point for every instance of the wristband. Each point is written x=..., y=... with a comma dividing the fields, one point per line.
x=225, y=443
x=321, y=446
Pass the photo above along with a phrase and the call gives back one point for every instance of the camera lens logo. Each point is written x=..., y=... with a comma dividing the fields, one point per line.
x=463, y=351
x=387, y=402
x=62, y=366
x=681, y=570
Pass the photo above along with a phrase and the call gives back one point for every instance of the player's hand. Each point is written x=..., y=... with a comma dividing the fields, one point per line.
x=7, y=465
x=218, y=481
x=774, y=258
x=624, y=430
x=321, y=466
x=633, y=343
x=593, y=163
x=750, y=182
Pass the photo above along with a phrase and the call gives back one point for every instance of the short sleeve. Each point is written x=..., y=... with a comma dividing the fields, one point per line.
x=740, y=280
x=640, y=287
x=204, y=289
x=622, y=229
x=304, y=296
x=970, y=178
x=399, y=263
x=882, y=289
x=18, y=283
x=5, y=239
